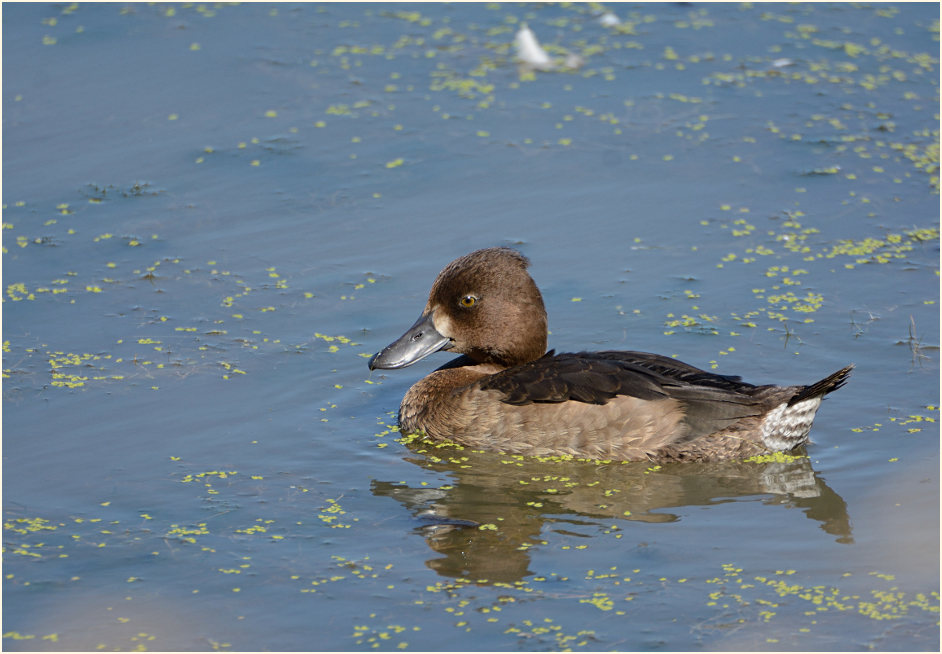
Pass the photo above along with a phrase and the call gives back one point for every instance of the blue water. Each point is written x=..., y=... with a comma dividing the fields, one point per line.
x=213, y=215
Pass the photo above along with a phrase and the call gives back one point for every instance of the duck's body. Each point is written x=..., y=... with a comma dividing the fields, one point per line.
x=505, y=394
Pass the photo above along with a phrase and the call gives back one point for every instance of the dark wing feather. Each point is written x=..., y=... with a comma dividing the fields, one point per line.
x=674, y=369
x=578, y=377
x=596, y=377
x=711, y=402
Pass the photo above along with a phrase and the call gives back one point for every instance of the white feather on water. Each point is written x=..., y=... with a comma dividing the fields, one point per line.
x=530, y=52
x=608, y=19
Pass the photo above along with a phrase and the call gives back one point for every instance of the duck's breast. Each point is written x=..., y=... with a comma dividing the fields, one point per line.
x=450, y=404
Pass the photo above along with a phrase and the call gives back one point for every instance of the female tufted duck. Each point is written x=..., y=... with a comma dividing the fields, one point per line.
x=507, y=393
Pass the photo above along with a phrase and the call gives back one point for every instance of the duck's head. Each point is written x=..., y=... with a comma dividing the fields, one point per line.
x=484, y=305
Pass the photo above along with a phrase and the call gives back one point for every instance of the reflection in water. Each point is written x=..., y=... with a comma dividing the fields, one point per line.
x=484, y=523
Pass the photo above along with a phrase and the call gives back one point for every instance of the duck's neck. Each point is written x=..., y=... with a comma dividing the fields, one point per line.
x=523, y=346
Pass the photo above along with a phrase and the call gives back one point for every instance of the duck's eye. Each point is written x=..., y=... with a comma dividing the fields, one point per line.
x=468, y=301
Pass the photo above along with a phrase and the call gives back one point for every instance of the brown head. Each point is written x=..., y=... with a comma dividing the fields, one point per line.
x=484, y=305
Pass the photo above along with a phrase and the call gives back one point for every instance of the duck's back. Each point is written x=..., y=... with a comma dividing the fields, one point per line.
x=618, y=404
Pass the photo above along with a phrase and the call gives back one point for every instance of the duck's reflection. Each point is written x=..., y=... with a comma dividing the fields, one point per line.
x=497, y=507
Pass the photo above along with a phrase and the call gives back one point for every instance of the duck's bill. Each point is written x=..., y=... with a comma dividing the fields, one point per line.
x=421, y=340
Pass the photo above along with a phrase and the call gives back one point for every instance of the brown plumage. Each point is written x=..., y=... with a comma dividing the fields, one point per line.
x=505, y=394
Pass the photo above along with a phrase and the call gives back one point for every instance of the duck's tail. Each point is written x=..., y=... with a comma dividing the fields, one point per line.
x=823, y=387
x=787, y=425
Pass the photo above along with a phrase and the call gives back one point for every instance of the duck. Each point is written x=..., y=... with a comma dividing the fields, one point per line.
x=505, y=392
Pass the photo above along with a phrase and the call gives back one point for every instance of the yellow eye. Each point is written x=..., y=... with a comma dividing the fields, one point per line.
x=468, y=301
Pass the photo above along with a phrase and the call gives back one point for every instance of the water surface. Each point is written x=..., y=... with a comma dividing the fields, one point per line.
x=213, y=215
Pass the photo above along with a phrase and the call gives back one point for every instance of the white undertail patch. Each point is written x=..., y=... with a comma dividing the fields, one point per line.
x=785, y=427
